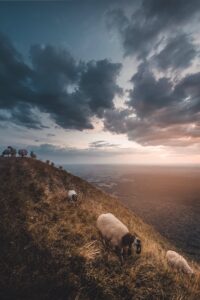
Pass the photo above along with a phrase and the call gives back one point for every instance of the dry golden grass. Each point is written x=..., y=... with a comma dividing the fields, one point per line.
x=90, y=250
x=51, y=249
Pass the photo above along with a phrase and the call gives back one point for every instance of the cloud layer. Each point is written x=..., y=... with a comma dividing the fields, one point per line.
x=150, y=22
x=71, y=92
x=163, y=105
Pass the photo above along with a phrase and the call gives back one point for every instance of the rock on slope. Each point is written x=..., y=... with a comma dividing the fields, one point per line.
x=50, y=249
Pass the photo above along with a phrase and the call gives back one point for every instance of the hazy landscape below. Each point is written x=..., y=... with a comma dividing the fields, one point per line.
x=166, y=197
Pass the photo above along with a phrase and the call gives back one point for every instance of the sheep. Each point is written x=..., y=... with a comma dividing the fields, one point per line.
x=178, y=261
x=72, y=196
x=118, y=235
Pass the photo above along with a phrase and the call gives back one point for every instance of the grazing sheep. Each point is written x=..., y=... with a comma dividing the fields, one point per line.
x=115, y=232
x=72, y=196
x=178, y=261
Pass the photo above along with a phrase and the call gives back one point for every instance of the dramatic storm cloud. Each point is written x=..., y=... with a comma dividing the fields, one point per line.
x=178, y=53
x=70, y=92
x=162, y=107
x=144, y=30
x=159, y=113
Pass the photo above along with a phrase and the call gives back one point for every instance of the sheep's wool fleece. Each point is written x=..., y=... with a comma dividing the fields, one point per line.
x=71, y=193
x=111, y=228
x=178, y=261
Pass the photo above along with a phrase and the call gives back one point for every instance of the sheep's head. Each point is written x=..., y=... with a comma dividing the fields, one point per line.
x=130, y=240
x=127, y=241
x=74, y=197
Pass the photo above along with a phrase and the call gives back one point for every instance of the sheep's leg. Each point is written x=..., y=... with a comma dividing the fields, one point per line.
x=120, y=253
x=102, y=239
x=130, y=250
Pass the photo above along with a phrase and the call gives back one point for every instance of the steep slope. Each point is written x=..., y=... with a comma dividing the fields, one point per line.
x=50, y=249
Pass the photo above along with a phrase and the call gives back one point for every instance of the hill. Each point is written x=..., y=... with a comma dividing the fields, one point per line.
x=50, y=249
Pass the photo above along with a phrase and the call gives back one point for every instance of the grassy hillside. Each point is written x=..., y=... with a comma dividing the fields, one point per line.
x=50, y=249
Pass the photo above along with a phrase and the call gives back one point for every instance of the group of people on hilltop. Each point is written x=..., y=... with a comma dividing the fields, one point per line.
x=12, y=152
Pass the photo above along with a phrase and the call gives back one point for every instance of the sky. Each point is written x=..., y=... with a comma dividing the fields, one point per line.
x=101, y=82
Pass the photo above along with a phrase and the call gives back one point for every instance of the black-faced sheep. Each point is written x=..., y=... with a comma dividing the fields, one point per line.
x=118, y=235
x=178, y=261
x=72, y=196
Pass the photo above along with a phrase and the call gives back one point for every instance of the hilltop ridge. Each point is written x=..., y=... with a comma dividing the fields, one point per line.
x=50, y=249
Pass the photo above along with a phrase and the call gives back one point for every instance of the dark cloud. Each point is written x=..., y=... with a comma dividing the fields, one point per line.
x=54, y=69
x=71, y=92
x=22, y=115
x=162, y=100
x=158, y=129
x=189, y=89
x=159, y=112
x=98, y=85
x=171, y=11
x=178, y=53
x=149, y=93
x=102, y=144
x=143, y=31
x=117, y=120
x=14, y=75
x=136, y=35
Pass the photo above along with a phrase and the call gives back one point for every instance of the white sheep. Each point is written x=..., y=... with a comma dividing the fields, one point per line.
x=72, y=196
x=118, y=235
x=178, y=261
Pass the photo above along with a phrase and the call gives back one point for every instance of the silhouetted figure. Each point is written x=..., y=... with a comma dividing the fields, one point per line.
x=47, y=162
